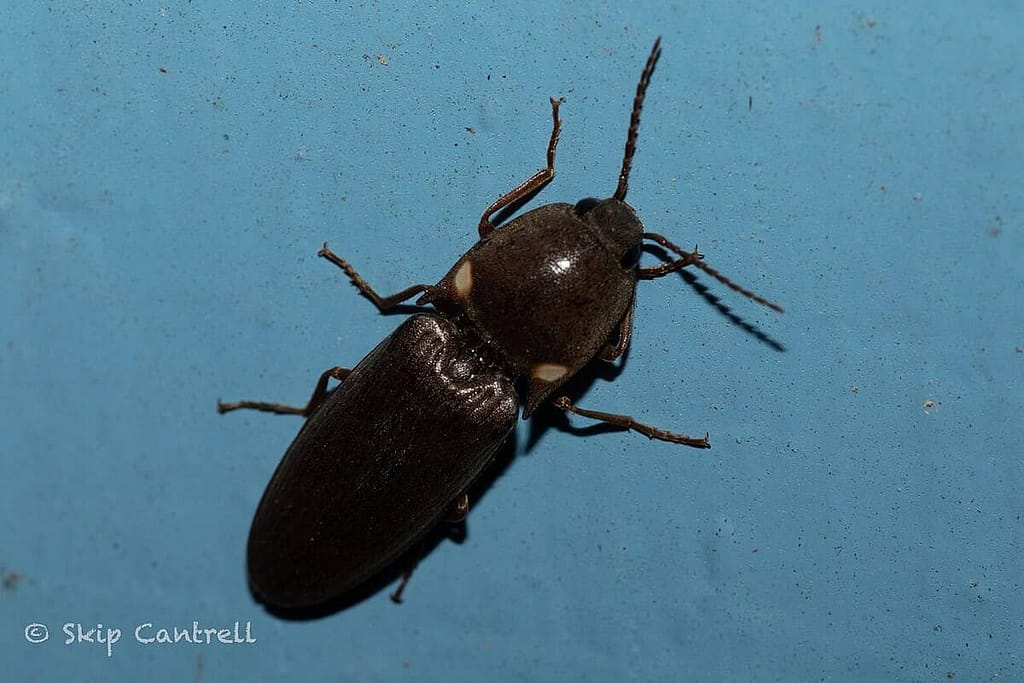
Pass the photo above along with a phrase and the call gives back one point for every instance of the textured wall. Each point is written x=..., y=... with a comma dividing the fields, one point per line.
x=168, y=172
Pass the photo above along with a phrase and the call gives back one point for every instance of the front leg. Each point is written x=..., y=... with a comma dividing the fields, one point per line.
x=534, y=183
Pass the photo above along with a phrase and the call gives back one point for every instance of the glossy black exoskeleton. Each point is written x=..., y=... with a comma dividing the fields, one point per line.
x=392, y=450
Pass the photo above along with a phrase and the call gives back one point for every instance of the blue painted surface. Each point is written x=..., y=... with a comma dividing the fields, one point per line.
x=169, y=171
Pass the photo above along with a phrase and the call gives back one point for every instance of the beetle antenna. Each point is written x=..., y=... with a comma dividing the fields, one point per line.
x=694, y=259
x=634, y=121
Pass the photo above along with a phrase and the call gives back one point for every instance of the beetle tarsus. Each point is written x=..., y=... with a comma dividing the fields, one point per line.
x=396, y=596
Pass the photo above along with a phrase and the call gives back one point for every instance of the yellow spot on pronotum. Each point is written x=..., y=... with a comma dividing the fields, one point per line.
x=549, y=372
x=464, y=279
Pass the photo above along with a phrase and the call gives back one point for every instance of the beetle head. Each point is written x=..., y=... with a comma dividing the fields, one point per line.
x=617, y=227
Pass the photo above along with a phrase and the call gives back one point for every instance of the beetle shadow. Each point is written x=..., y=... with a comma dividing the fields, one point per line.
x=704, y=292
x=457, y=532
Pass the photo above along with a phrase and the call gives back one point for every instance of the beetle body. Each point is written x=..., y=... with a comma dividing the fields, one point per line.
x=392, y=450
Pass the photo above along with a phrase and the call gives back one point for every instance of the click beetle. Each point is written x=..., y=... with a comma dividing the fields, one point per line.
x=390, y=452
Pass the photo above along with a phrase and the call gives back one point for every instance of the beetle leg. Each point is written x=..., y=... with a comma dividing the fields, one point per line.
x=396, y=597
x=534, y=183
x=627, y=422
x=319, y=392
x=455, y=514
x=382, y=302
x=609, y=352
